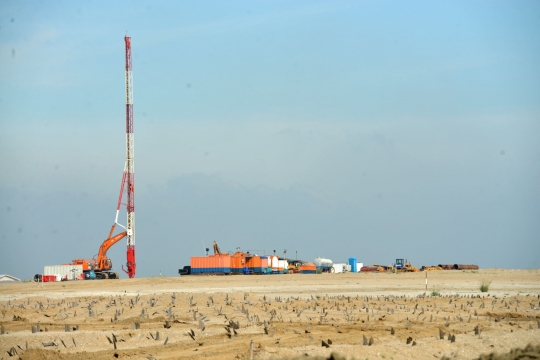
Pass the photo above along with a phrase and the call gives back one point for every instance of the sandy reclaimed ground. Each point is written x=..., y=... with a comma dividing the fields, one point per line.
x=284, y=315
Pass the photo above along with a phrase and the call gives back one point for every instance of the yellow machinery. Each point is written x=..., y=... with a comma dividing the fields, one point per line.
x=402, y=265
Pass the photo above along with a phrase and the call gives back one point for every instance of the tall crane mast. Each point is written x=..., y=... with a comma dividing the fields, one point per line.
x=101, y=267
x=129, y=169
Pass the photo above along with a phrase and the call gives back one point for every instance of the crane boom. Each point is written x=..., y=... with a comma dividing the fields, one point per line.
x=216, y=249
x=100, y=267
x=129, y=171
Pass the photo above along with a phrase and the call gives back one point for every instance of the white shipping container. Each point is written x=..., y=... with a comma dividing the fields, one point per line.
x=359, y=266
x=71, y=271
x=338, y=268
x=347, y=267
x=282, y=264
x=273, y=262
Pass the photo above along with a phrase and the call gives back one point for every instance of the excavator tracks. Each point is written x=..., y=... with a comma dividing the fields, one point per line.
x=107, y=275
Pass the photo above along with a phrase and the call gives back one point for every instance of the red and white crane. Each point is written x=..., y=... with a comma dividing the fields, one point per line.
x=101, y=268
x=129, y=169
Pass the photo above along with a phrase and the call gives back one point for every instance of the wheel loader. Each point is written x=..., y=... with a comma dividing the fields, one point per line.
x=402, y=265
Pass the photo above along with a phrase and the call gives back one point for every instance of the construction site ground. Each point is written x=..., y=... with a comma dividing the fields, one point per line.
x=286, y=316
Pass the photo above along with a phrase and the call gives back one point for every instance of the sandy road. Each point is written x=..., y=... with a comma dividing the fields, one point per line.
x=511, y=282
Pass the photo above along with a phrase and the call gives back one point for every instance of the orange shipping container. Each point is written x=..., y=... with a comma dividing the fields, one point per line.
x=255, y=264
x=238, y=262
x=211, y=264
x=264, y=262
x=308, y=268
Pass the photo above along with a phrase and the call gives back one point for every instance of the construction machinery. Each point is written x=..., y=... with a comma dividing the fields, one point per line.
x=100, y=267
x=128, y=177
x=216, y=249
x=402, y=265
x=301, y=267
x=293, y=267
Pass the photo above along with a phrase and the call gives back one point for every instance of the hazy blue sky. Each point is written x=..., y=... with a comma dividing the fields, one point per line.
x=375, y=129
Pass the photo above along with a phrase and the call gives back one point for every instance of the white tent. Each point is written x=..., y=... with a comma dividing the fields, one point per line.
x=6, y=278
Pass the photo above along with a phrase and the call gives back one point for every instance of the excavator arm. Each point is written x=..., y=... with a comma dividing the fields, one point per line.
x=216, y=249
x=110, y=241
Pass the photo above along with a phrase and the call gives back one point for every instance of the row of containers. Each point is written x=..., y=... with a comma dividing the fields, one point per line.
x=246, y=263
x=241, y=263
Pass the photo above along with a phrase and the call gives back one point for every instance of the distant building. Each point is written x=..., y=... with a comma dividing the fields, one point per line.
x=8, y=278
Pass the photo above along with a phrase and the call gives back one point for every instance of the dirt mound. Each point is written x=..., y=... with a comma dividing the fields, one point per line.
x=528, y=353
x=141, y=320
x=38, y=354
x=332, y=356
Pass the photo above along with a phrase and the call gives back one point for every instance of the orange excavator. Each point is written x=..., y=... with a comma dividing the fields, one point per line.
x=101, y=267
